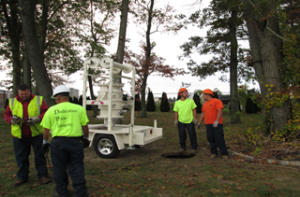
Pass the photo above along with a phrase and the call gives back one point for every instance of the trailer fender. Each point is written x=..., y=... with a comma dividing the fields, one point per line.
x=118, y=139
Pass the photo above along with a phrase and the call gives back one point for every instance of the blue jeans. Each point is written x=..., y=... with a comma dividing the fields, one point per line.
x=192, y=134
x=22, y=149
x=67, y=153
x=215, y=137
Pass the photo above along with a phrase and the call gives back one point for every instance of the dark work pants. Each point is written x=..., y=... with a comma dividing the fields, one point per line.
x=192, y=134
x=215, y=137
x=67, y=153
x=22, y=149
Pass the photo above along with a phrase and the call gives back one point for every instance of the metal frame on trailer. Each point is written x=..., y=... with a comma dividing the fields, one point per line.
x=109, y=138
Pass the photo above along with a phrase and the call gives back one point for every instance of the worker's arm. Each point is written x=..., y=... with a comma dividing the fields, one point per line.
x=176, y=115
x=8, y=115
x=219, y=115
x=46, y=134
x=85, y=130
x=195, y=113
x=201, y=117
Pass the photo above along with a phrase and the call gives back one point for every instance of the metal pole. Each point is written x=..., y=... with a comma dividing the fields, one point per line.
x=84, y=84
x=110, y=88
x=133, y=95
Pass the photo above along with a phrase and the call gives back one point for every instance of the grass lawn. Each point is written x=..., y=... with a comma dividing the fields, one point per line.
x=143, y=172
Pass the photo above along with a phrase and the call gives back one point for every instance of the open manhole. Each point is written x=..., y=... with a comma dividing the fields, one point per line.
x=178, y=155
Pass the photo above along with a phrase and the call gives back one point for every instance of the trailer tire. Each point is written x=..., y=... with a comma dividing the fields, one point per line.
x=106, y=147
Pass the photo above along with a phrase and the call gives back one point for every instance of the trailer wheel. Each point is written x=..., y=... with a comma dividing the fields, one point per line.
x=106, y=147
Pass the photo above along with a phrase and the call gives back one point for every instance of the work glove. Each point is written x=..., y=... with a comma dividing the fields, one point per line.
x=176, y=123
x=33, y=120
x=86, y=142
x=46, y=146
x=216, y=124
x=198, y=125
x=15, y=120
x=195, y=121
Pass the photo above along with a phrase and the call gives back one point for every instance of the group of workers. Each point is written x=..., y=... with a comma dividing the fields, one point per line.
x=31, y=121
x=186, y=119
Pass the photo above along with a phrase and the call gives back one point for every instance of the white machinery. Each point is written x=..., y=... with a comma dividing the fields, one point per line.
x=109, y=139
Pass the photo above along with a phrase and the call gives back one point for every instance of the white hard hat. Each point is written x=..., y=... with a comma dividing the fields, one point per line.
x=60, y=89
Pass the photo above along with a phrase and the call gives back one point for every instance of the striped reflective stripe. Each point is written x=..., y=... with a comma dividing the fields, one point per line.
x=38, y=104
x=12, y=102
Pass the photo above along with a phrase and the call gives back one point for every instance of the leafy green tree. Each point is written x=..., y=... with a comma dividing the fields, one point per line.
x=153, y=18
x=226, y=26
x=164, y=104
x=11, y=29
x=266, y=44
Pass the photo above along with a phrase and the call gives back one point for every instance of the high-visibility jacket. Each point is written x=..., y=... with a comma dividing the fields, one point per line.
x=34, y=109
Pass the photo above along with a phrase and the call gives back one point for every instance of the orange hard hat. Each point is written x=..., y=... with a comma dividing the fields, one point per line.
x=181, y=90
x=208, y=91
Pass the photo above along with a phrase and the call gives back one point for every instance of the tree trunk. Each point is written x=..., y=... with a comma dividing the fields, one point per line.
x=122, y=32
x=121, y=42
x=26, y=70
x=34, y=51
x=270, y=45
x=147, y=62
x=14, y=30
x=234, y=102
x=93, y=97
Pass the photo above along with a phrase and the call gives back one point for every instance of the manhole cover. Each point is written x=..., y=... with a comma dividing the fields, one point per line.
x=178, y=155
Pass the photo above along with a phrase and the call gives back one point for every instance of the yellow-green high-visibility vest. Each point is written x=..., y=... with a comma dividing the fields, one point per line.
x=34, y=109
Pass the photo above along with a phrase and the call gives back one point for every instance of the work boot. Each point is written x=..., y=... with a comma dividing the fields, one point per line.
x=182, y=150
x=19, y=182
x=225, y=157
x=45, y=180
x=213, y=156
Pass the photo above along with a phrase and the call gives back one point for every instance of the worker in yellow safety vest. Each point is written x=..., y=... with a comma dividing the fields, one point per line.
x=24, y=113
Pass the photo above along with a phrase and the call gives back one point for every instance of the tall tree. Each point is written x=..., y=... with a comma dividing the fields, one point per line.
x=155, y=65
x=33, y=46
x=147, y=14
x=10, y=12
x=266, y=45
x=226, y=26
x=99, y=17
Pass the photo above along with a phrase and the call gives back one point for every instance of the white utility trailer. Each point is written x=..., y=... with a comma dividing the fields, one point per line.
x=109, y=139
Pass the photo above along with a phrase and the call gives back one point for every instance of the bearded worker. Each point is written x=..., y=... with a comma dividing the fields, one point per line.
x=24, y=113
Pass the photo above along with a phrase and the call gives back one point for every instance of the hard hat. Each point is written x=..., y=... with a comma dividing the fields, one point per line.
x=208, y=91
x=60, y=89
x=181, y=90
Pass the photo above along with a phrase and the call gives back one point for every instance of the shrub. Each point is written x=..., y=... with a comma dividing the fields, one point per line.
x=164, y=105
x=137, y=103
x=196, y=99
x=216, y=95
x=150, y=102
x=6, y=103
x=75, y=100
x=251, y=105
